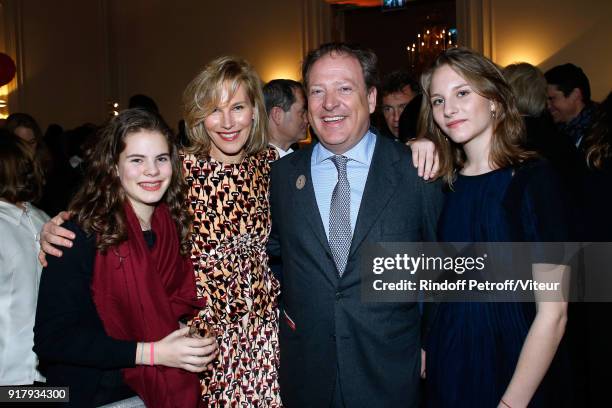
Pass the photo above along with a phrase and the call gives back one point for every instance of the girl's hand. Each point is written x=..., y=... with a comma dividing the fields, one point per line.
x=179, y=350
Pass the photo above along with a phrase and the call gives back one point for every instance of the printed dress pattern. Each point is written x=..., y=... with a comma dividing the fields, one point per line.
x=230, y=203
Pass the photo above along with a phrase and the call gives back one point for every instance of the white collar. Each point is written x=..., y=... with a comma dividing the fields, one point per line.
x=280, y=151
x=362, y=152
x=11, y=212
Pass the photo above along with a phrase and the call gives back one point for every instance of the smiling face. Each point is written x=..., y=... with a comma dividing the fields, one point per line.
x=563, y=108
x=145, y=169
x=461, y=113
x=393, y=105
x=229, y=125
x=339, y=104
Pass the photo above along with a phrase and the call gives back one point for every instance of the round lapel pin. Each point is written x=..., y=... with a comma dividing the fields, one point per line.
x=300, y=182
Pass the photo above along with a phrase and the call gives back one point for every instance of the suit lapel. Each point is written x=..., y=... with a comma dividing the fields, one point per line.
x=379, y=188
x=304, y=199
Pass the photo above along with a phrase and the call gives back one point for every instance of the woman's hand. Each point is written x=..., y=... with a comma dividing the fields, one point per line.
x=178, y=350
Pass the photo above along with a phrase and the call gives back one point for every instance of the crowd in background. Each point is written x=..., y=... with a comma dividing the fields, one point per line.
x=232, y=131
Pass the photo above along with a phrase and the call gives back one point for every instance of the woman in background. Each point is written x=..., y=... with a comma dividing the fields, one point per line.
x=27, y=129
x=20, y=221
x=490, y=354
x=115, y=298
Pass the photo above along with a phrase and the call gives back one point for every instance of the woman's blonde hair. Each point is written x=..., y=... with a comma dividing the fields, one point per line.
x=204, y=94
x=486, y=80
x=529, y=87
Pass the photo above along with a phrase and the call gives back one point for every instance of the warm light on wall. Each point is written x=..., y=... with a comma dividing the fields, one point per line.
x=537, y=39
x=279, y=72
x=278, y=65
x=522, y=53
x=551, y=32
x=4, y=113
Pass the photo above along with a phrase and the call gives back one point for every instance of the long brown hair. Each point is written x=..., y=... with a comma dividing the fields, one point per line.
x=98, y=205
x=486, y=80
x=203, y=95
x=20, y=178
x=39, y=149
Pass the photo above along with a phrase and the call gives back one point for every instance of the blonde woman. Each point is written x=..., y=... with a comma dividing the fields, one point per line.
x=227, y=171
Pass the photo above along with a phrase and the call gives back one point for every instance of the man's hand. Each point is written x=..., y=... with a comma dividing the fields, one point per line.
x=424, y=157
x=53, y=233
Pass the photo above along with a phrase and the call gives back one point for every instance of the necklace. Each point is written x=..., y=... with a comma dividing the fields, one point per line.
x=145, y=226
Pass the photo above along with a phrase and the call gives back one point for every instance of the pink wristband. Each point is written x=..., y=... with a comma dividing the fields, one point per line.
x=152, y=354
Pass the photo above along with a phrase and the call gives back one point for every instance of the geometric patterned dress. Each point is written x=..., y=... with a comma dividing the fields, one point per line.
x=230, y=203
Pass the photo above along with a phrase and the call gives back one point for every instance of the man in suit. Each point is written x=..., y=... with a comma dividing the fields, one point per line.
x=351, y=188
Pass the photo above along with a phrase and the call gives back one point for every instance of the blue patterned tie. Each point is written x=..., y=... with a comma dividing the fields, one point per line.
x=340, y=232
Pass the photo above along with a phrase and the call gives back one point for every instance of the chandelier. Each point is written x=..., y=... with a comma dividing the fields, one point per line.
x=429, y=43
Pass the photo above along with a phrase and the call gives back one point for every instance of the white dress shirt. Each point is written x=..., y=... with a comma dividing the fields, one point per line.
x=19, y=279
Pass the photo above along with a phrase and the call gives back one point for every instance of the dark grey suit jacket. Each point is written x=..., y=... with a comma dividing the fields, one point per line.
x=325, y=328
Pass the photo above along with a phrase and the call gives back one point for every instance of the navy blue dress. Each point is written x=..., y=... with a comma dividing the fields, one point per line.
x=473, y=348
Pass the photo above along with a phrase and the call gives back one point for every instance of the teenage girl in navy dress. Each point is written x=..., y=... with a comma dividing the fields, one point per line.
x=490, y=354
